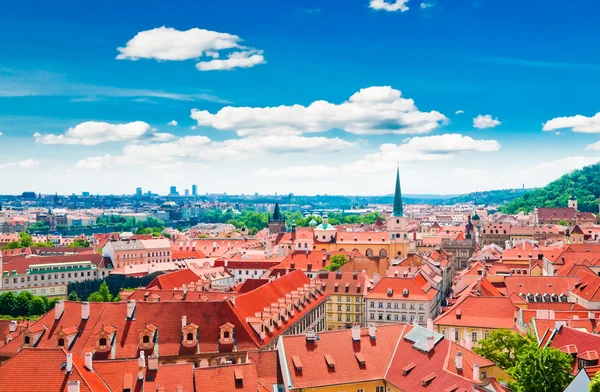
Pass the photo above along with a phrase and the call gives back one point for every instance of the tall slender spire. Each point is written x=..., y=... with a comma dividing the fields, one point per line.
x=398, y=209
x=276, y=212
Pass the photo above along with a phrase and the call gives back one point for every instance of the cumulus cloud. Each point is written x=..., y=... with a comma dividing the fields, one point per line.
x=416, y=149
x=169, y=44
x=373, y=110
x=426, y=5
x=565, y=165
x=308, y=172
x=247, y=59
x=26, y=164
x=201, y=148
x=426, y=148
x=485, y=121
x=162, y=137
x=91, y=133
x=172, y=123
x=460, y=111
x=392, y=6
x=578, y=123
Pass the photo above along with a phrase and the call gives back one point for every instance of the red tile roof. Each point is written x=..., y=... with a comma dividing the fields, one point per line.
x=418, y=289
x=233, y=378
x=482, y=312
x=39, y=369
x=170, y=377
x=582, y=341
x=539, y=285
x=174, y=280
x=22, y=263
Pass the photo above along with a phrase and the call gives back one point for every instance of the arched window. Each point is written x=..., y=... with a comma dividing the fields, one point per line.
x=369, y=252
x=61, y=342
x=226, y=334
x=102, y=342
x=146, y=339
x=190, y=336
x=382, y=253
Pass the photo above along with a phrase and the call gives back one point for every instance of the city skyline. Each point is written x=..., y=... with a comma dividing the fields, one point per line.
x=305, y=98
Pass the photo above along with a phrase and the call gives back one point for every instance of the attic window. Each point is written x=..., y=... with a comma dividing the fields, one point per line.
x=458, y=313
x=27, y=340
x=61, y=342
x=297, y=362
x=146, y=339
x=330, y=361
x=406, y=369
x=102, y=342
x=427, y=379
x=360, y=358
x=190, y=336
x=239, y=378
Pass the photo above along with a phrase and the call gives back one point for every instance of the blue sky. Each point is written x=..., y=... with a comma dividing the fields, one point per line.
x=524, y=64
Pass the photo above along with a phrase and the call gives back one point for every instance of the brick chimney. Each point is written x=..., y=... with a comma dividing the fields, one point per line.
x=356, y=333
x=69, y=367
x=458, y=360
x=59, y=308
x=88, y=361
x=130, y=309
x=85, y=310
x=476, y=377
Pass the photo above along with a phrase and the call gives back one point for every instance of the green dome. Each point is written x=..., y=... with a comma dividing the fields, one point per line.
x=312, y=223
x=475, y=216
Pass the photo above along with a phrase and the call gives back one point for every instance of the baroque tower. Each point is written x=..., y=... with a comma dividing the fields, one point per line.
x=397, y=225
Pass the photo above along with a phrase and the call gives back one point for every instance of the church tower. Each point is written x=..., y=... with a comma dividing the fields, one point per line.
x=572, y=199
x=277, y=222
x=397, y=225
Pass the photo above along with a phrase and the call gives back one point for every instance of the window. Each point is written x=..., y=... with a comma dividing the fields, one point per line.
x=474, y=336
x=357, y=308
x=395, y=305
x=146, y=339
x=421, y=307
x=348, y=299
x=389, y=305
x=379, y=389
x=484, y=375
x=102, y=342
x=190, y=336
x=339, y=317
x=347, y=308
x=347, y=318
x=61, y=342
x=403, y=317
x=403, y=305
x=339, y=308
x=380, y=316
x=421, y=319
x=357, y=299
x=412, y=306
x=372, y=305
x=27, y=340
x=380, y=305
x=486, y=334
x=372, y=316
x=455, y=335
x=357, y=319
x=388, y=317
x=360, y=390
x=395, y=317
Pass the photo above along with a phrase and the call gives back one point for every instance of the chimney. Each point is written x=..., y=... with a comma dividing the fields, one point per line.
x=468, y=342
x=152, y=362
x=232, y=300
x=88, y=362
x=73, y=386
x=183, y=322
x=130, y=309
x=458, y=360
x=476, y=372
x=69, y=362
x=415, y=323
x=59, y=308
x=356, y=333
x=372, y=331
x=430, y=324
x=376, y=278
x=591, y=315
x=12, y=326
x=141, y=366
x=452, y=334
x=430, y=343
x=85, y=310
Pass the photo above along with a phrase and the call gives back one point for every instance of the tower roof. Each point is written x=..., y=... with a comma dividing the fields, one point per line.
x=277, y=213
x=398, y=209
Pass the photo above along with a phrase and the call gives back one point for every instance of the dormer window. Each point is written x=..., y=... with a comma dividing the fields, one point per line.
x=61, y=342
x=146, y=339
x=104, y=339
x=102, y=342
x=27, y=340
x=190, y=336
x=226, y=334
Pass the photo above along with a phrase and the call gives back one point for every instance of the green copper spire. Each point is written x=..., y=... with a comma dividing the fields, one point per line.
x=276, y=213
x=398, y=209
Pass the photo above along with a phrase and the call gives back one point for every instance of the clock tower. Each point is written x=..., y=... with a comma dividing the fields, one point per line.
x=397, y=225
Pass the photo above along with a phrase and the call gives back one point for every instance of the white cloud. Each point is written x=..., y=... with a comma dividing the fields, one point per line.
x=578, y=123
x=247, y=59
x=427, y=148
x=172, y=123
x=373, y=110
x=562, y=166
x=96, y=163
x=485, y=121
x=26, y=164
x=169, y=44
x=308, y=172
x=460, y=111
x=162, y=137
x=201, y=148
x=426, y=5
x=91, y=133
x=392, y=6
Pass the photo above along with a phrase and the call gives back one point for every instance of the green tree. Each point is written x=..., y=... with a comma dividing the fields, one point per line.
x=25, y=240
x=7, y=303
x=73, y=296
x=563, y=222
x=79, y=243
x=503, y=346
x=541, y=370
x=46, y=244
x=102, y=295
x=12, y=245
x=595, y=383
x=37, y=307
x=22, y=304
x=336, y=262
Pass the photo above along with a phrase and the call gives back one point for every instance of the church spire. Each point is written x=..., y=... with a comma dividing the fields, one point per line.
x=276, y=212
x=398, y=209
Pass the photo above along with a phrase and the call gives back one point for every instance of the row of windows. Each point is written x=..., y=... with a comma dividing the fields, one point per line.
x=348, y=299
x=348, y=318
x=339, y=308
x=396, y=317
x=137, y=255
x=411, y=306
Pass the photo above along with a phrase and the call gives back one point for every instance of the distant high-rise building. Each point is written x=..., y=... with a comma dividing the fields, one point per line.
x=173, y=191
x=194, y=190
x=187, y=192
x=85, y=194
x=138, y=192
